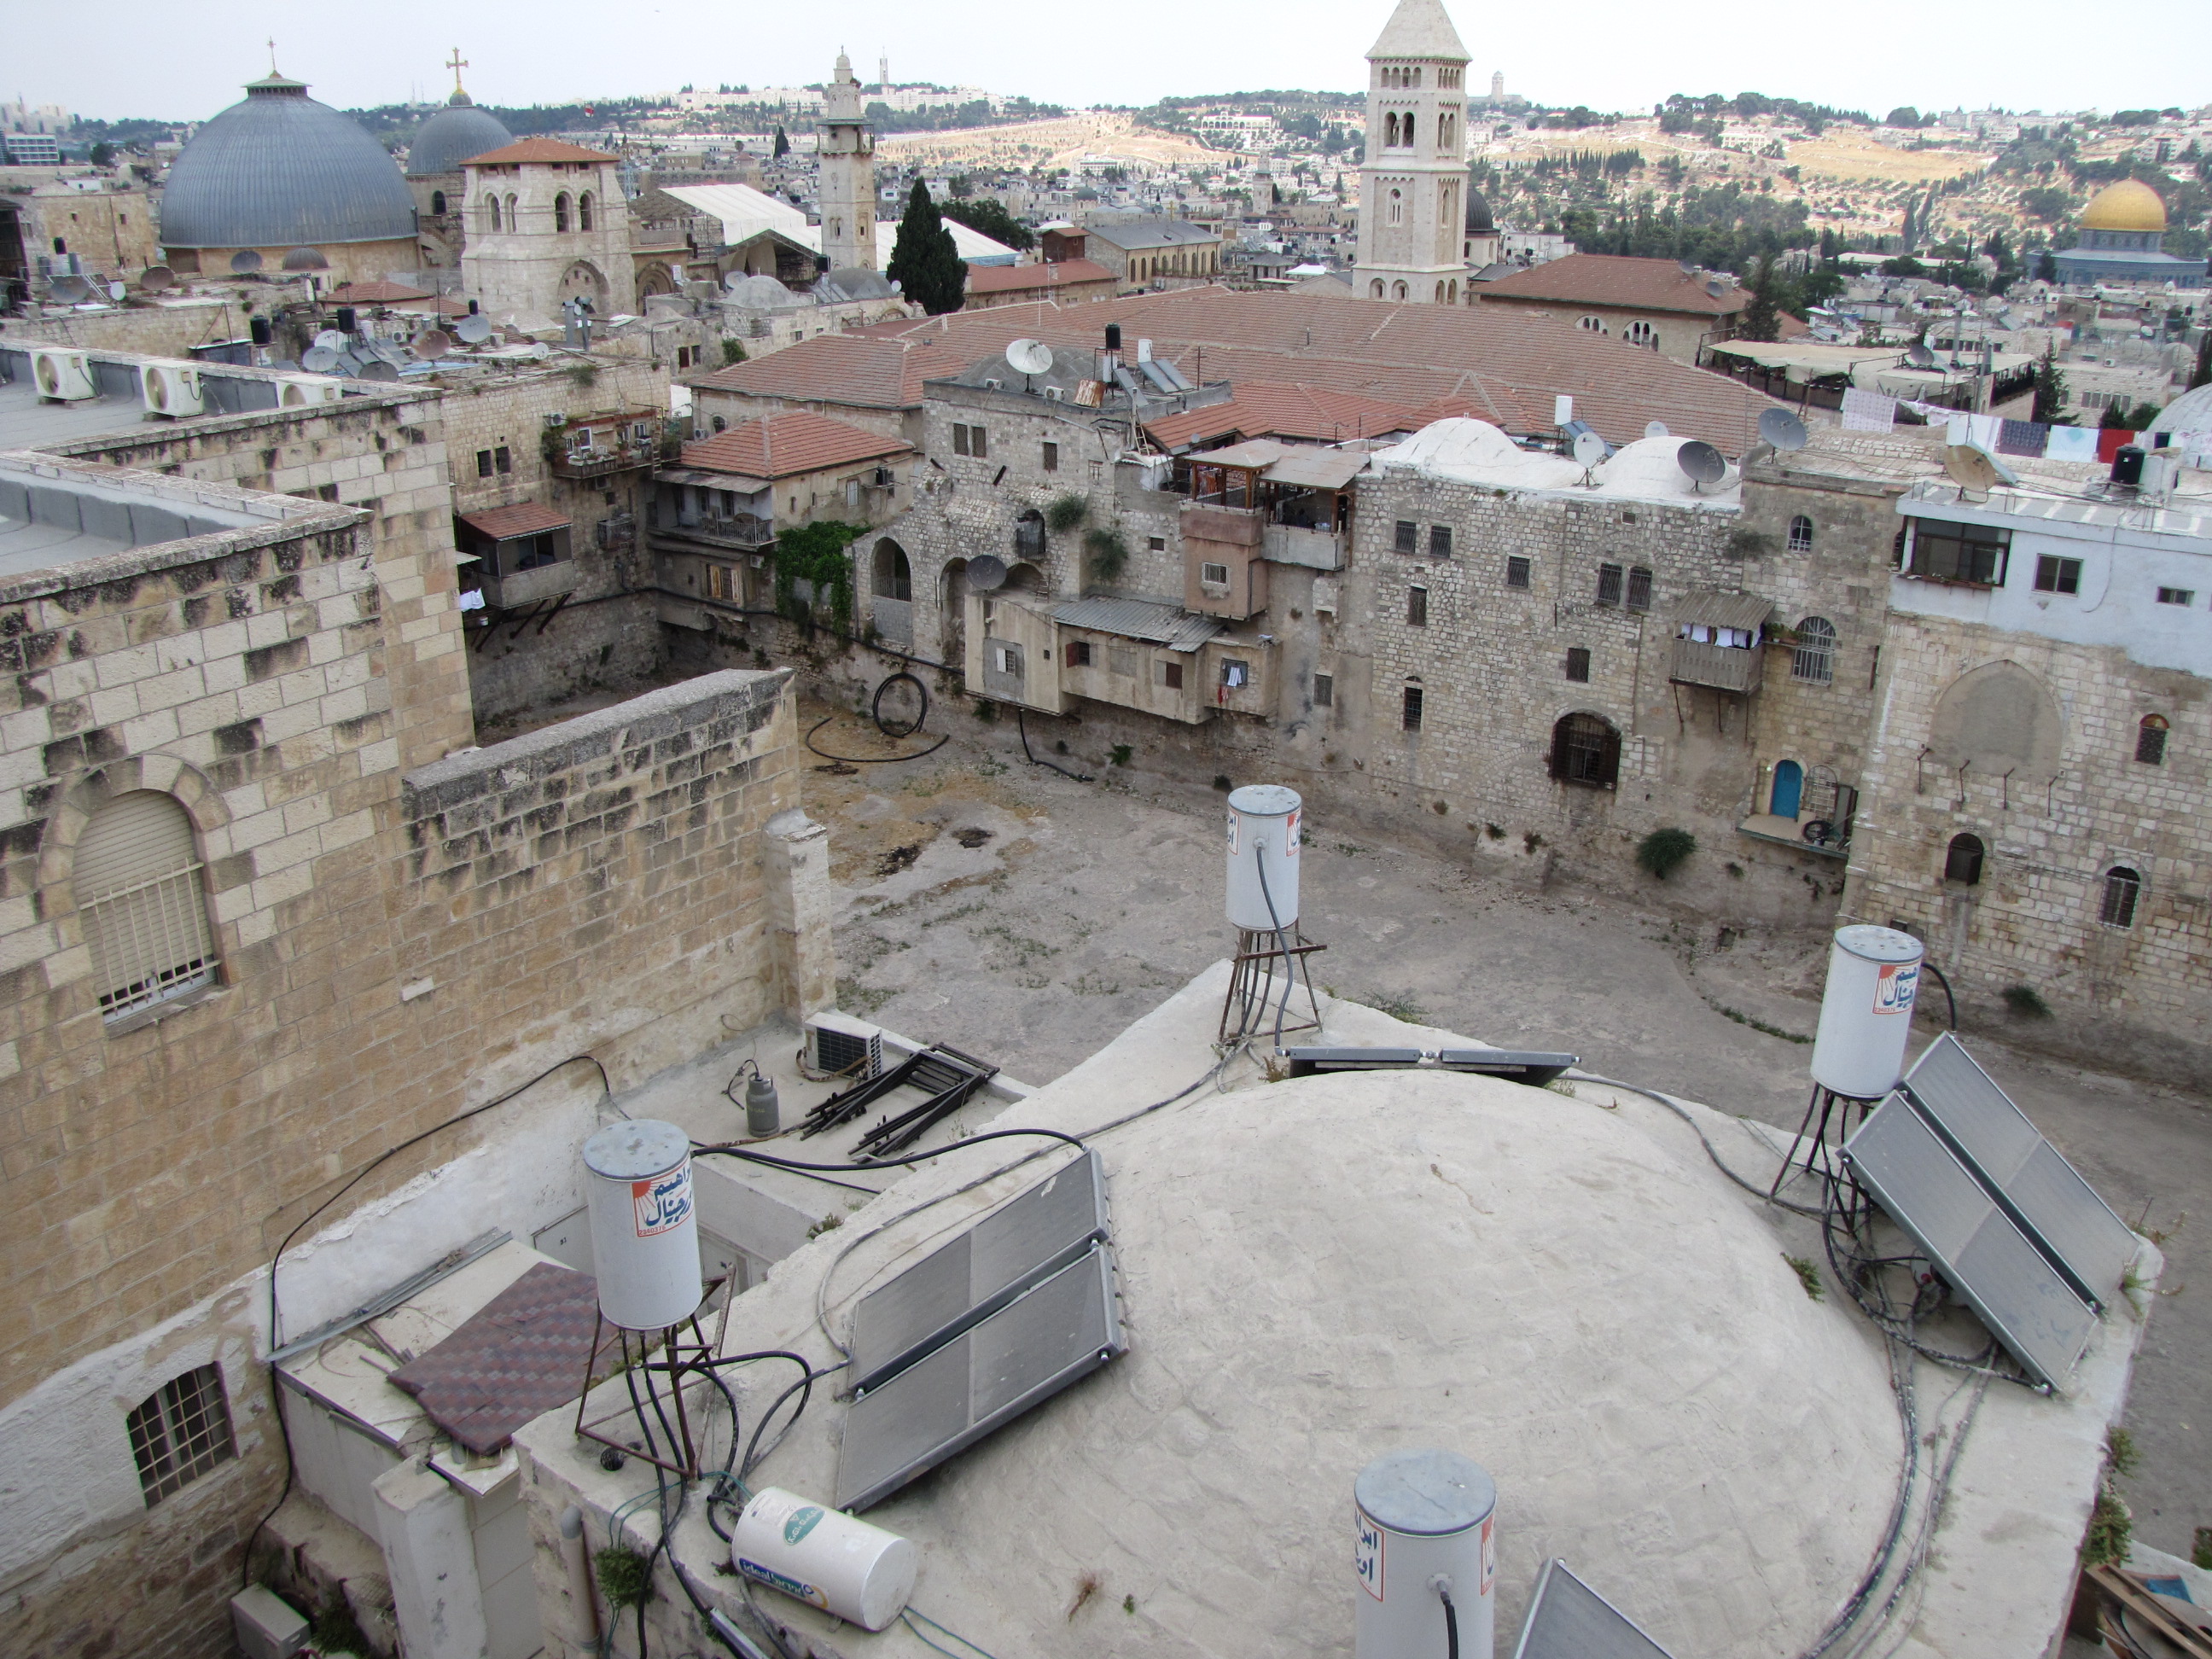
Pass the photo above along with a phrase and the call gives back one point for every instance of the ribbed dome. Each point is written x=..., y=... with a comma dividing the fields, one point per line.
x=281, y=170
x=1478, y=221
x=2130, y=204
x=453, y=135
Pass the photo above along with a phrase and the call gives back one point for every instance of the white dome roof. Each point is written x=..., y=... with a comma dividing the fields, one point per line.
x=2191, y=412
x=1476, y=451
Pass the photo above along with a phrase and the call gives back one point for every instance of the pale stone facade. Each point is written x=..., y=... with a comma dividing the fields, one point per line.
x=540, y=232
x=848, y=178
x=1413, y=183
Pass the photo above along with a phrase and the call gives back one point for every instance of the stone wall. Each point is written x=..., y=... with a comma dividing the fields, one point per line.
x=158, y=330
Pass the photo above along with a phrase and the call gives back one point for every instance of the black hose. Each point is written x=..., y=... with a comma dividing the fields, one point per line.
x=1946, y=984
x=876, y=705
x=1451, y=1624
x=1022, y=726
x=868, y=760
x=889, y=1163
x=1282, y=940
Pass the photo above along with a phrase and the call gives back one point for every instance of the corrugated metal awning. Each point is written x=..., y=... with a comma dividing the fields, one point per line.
x=739, y=481
x=1317, y=469
x=1709, y=610
x=1135, y=619
x=1253, y=453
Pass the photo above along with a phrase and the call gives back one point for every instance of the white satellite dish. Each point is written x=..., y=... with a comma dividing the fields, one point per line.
x=319, y=360
x=70, y=290
x=1781, y=429
x=116, y=291
x=329, y=340
x=1973, y=467
x=155, y=278
x=378, y=370
x=539, y=349
x=245, y=260
x=1589, y=449
x=986, y=573
x=1919, y=355
x=1689, y=267
x=1655, y=429
x=1029, y=358
x=431, y=344
x=1715, y=286
x=474, y=329
x=1701, y=463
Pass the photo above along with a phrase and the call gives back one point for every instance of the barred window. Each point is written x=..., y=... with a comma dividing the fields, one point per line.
x=2123, y=887
x=138, y=888
x=1516, y=571
x=2150, y=740
x=1417, y=607
x=1324, y=690
x=1639, y=588
x=180, y=1431
x=1440, y=541
x=1815, y=659
x=1608, y=584
x=1578, y=663
x=1408, y=536
x=1801, y=534
x=1051, y=457
x=1586, y=749
x=1078, y=653
x=1410, y=710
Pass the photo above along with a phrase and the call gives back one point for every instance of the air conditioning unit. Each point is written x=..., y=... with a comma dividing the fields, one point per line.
x=62, y=376
x=557, y=420
x=172, y=389
x=298, y=390
x=850, y=1049
x=266, y=1625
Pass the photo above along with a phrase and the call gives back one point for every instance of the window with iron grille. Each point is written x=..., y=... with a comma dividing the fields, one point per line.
x=483, y=463
x=1815, y=658
x=2122, y=888
x=1408, y=535
x=1579, y=663
x=503, y=459
x=1801, y=534
x=1078, y=653
x=1608, y=584
x=2150, y=740
x=1440, y=541
x=1639, y=588
x=1962, y=861
x=1324, y=690
x=1410, y=713
x=722, y=583
x=1417, y=607
x=1213, y=575
x=139, y=892
x=1516, y=571
x=180, y=1431
x=1170, y=675
x=2057, y=575
x=1586, y=750
x=1051, y=457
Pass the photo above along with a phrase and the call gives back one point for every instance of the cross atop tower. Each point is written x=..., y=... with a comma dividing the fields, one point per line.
x=457, y=63
x=272, y=55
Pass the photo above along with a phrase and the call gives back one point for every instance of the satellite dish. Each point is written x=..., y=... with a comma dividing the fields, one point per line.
x=155, y=278
x=1781, y=429
x=378, y=370
x=986, y=573
x=431, y=344
x=1689, y=267
x=1919, y=355
x=319, y=360
x=245, y=260
x=306, y=258
x=116, y=291
x=331, y=340
x=1973, y=467
x=1701, y=462
x=389, y=352
x=70, y=290
x=475, y=328
x=1715, y=286
x=1589, y=449
x=1029, y=358
x=1655, y=430
x=539, y=349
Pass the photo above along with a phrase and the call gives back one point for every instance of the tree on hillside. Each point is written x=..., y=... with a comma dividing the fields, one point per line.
x=1762, y=318
x=981, y=213
x=2050, y=389
x=782, y=145
x=926, y=261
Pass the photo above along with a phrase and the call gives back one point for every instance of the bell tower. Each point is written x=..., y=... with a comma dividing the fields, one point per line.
x=1413, y=184
x=847, y=176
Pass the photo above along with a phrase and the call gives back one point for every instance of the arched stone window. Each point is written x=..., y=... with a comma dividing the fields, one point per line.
x=514, y=219
x=2150, y=740
x=1440, y=293
x=1397, y=291
x=1590, y=324
x=2123, y=887
x=584, y=211
x=1801, y=534
x=1586, y=750
x=491, y=212
x=1451, y=292
x=1641, y=333
x=139, y=892
x=894, y=576
x=561, y=211
x=1375, y=289
x=437, y=201
x=1815, y=659
x=1962, y=861
x=1398, y=209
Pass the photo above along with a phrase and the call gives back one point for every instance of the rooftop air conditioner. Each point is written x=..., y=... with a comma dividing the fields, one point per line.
x=172, y=389
x=850, y=1049
x=298, y=390
x=556, y=419
x=62, y=376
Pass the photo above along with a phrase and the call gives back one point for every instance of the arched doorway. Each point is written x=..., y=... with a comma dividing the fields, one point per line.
x=1788, y=789
x=582, y=281
x=655, y=278
x=890, y=593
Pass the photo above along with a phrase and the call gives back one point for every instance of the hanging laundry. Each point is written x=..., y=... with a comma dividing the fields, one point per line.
x=2110, y=440
x=2071, y=443
x=2024, y=438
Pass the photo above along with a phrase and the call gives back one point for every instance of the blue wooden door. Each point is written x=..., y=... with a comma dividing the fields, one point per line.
x=1789, y=787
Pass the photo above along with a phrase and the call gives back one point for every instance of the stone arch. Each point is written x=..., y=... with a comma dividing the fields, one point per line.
x=491, y=213
x=582, y=281
x=1375, y=289
x=1997, y=721
x=1398, y=291
x=1022, y=577
x=655, y=278
x=513, y=211
x=891, y=575
x=561, y=211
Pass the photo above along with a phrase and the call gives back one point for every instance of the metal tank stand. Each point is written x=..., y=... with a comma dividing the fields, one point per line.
x=656, y=1367
x=1249, y=1008
x=1826, y=1105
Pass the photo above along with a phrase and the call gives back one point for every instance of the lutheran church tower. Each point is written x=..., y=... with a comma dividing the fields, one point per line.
x=1412, y=186
x=847, y=178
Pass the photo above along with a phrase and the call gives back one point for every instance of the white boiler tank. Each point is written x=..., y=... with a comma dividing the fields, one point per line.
x=645, y=1227
x=1866, y=1013
x=1264, y=822
x=824, y=1558
x=1427, y=1528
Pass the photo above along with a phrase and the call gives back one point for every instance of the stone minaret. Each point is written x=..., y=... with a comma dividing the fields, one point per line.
x=847, y=152
x=1412, y=187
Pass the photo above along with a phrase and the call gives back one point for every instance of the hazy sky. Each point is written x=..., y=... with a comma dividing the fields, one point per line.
x=186, y=61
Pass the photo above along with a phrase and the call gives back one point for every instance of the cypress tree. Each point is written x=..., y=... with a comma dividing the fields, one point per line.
x=1762, y=318
x=2050, y=389
x=782, y=145
x=926, y=262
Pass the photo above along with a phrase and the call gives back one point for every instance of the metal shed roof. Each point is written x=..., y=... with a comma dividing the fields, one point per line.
x=1318, y=469
x=1711, y=610
x=1139, y=619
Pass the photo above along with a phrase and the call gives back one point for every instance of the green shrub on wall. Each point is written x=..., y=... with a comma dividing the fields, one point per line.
x=820, y=554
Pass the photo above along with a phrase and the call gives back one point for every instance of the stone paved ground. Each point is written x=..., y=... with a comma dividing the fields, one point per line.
x=1066, y=910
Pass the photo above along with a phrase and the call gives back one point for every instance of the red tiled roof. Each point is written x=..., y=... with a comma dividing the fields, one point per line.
x=853, y=369
x=536, y=150
x=1001, y=279
x=372, y=294
x=523, y=518
x=1497, y=363
x=1607, y=279
x=788, y=445
x=1260, y=409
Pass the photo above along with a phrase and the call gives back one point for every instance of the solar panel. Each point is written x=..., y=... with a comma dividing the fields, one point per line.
x=1568, y=1620
x=2029, y=1176
x=1046, y=1338
x=965, y=1281
x=1982, y=1254
x=1535, y=1067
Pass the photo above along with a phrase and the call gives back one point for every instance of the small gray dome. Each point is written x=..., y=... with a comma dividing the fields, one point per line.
x=453, y=135
x=281, y=170
x=1478, y=221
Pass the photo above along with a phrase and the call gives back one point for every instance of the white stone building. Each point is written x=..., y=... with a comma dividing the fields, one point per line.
x=547, y=224
x=1414, y=183
x=847, y=179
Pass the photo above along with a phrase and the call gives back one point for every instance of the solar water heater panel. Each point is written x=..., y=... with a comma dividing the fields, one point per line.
x=1568, y=1620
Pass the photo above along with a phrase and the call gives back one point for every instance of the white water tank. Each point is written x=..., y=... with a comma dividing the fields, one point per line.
x=1427, y=1522
x=1263, y=837
x=824, y=1558
x=1866, y=1013
x=645, y=1226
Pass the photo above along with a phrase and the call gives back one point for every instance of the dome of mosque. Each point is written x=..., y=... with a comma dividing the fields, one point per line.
x=281, y=170
x=453, y=135
x=2130, y=204
x=1478, y=221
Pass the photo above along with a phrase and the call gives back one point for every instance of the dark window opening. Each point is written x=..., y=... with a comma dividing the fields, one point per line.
x=1960, y=553
x=1408, y=536
x=1417, y=607
x=2122, y=888
x=2057, y=575
x=1608, y=584
x=1516, y=571
x=1410, y=717
x=1324, y=690
x=1171, y=676
x=1586, y=750
x=1051, y=458
x=1963, y=862
x=529, y=553
x=2176, y=596
x=2150, y=740
x=1801, y=534
x=1578, y=663
x=1440, y=541
x=1078, y=653
x=1639, y=589
x=483, y=463
x=181, y=1431
x=503, y=459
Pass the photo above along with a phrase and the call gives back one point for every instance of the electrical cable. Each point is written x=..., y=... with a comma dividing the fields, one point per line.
x=1576, y=1075
x=1022, y=726
x=1282, y=940
x=754, y=1450
x=1451, y=1622
x=276, y=1383
x=868, y=760
x=910, y=1612
x=730, y=1149
x=1946, y=984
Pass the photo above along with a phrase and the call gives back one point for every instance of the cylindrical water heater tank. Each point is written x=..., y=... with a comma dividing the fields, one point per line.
x=1866, y=1013
x=645, y=1228
x=1427, y=1523
x=1263, y=856
x=824, y=1558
